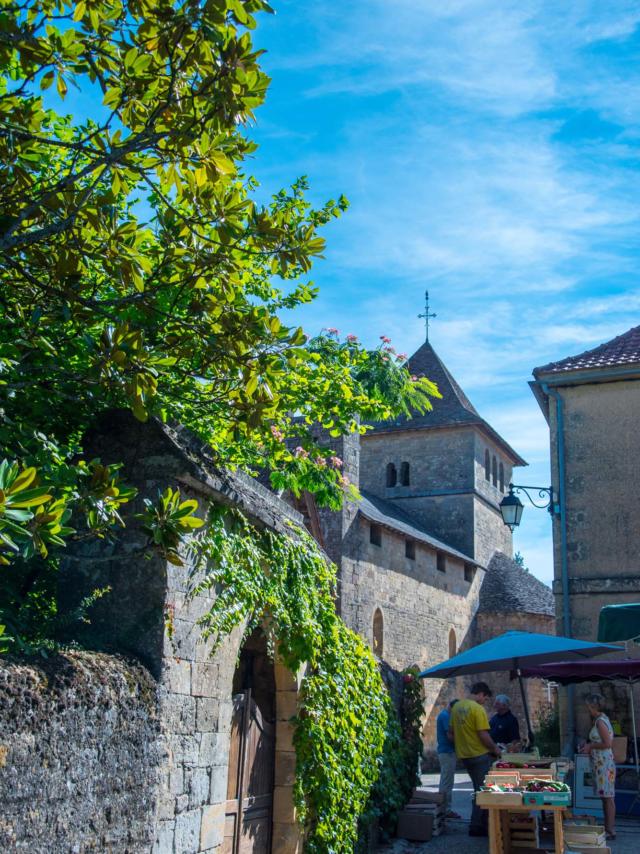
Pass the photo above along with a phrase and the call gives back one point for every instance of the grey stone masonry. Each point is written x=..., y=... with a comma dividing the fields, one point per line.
x=150, y=614
x=80, y=755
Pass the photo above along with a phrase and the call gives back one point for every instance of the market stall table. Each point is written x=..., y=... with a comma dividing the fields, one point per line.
x=499, y=842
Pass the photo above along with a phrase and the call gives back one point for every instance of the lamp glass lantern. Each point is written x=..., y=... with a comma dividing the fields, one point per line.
x=511, y=509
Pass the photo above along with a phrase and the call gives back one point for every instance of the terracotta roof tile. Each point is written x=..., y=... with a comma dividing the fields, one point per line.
x=623, y=350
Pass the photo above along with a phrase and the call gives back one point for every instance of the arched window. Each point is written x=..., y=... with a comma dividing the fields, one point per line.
x=378, y=632
x=501, y=477
x=453, y=643
x=392, y=475
x=495, y=471
x=487, y=465
x=405, y=478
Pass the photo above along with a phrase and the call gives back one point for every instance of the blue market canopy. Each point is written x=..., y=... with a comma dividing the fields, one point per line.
x=619, y=622
x=514, y=650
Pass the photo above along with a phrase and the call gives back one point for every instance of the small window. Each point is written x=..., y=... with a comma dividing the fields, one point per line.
x=378, y=633
x=410, y=549
x=375, y=535
x=441, y=562
x=392, y=475
x=501, y=477
x=469, y=572
x=495, y=471
x=405, y=479
x=453, y=643
x=487, y=465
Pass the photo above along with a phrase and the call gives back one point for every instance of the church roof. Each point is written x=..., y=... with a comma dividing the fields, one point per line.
x=508, y=587
x=385, y=513
x=621, y=351
x=453, y=409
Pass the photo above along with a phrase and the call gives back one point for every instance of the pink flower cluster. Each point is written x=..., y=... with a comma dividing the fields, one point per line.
x=300, y=453
x=336, y=462
x=332, y=330
x=278, y=435
x=352, y=337
x=385, y=340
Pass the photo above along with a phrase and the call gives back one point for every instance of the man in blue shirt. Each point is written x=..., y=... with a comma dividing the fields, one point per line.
x=447, y=758
x=504, y=724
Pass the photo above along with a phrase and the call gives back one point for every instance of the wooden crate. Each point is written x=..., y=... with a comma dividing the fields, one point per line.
x=415, y=826
x=499, y=799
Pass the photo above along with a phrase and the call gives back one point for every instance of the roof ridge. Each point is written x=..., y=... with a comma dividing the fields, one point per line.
x=387, y=513
x=509, y=587
x=456, y=387
x=622, y=350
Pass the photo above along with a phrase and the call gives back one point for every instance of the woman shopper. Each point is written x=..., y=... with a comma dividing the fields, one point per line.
x=603, y=768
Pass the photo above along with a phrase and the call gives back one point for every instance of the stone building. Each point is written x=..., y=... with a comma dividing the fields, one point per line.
x=191, y=753
x=414, y=553
x=592, y=404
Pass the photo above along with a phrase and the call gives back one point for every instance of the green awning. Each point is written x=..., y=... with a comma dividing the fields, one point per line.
x=619, y=623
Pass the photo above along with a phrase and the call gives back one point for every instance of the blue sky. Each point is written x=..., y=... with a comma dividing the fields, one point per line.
x=490, y=154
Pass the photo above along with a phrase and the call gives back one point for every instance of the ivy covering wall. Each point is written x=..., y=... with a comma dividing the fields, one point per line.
x=356, y=755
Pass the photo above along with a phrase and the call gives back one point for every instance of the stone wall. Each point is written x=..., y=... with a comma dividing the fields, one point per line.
x=448, y=493
x=150, y=614
x=602, y=451
x=80, y=755
x=603, y=528
x=420, y=606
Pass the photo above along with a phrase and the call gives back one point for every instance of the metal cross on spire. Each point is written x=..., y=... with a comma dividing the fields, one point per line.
x=427, y=315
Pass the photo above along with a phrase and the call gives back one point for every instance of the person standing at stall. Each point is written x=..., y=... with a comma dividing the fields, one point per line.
x=469, y=729
x=603, y=768
x=504, y=726
x=446, y=758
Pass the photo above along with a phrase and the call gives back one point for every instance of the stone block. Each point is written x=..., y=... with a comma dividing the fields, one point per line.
x=204, y=679
x=214, y=749
x=187, y=832
x=285, y=770
x=185, y=749
x=207, y=711
x=286, y=704
x=164, y=837
x=284, y=811
x=219, y=784
x=286, y=839
x=212, y=826
x=284, y=736
x=179, y=714
x=176, y=781
x=176, y=675
x=198, y=784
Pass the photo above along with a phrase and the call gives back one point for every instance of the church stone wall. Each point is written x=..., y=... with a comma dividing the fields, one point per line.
x=440, y=459
x=440, y=495
x=490, y=533
x=419, y=604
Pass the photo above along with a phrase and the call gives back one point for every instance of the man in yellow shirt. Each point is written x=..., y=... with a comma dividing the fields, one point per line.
x=469, y=730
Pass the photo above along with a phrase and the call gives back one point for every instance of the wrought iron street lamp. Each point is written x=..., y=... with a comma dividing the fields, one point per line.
x=511, y=507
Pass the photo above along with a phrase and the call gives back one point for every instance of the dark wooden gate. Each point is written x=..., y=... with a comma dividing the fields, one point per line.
x=249, y=809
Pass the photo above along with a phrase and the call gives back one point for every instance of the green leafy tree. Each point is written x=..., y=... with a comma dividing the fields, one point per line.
x=139, y=270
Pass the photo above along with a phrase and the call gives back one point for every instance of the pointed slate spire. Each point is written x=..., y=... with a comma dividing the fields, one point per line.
x=452, y=410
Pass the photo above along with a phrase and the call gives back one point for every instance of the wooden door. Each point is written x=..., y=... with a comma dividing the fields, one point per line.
x=249, y=808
